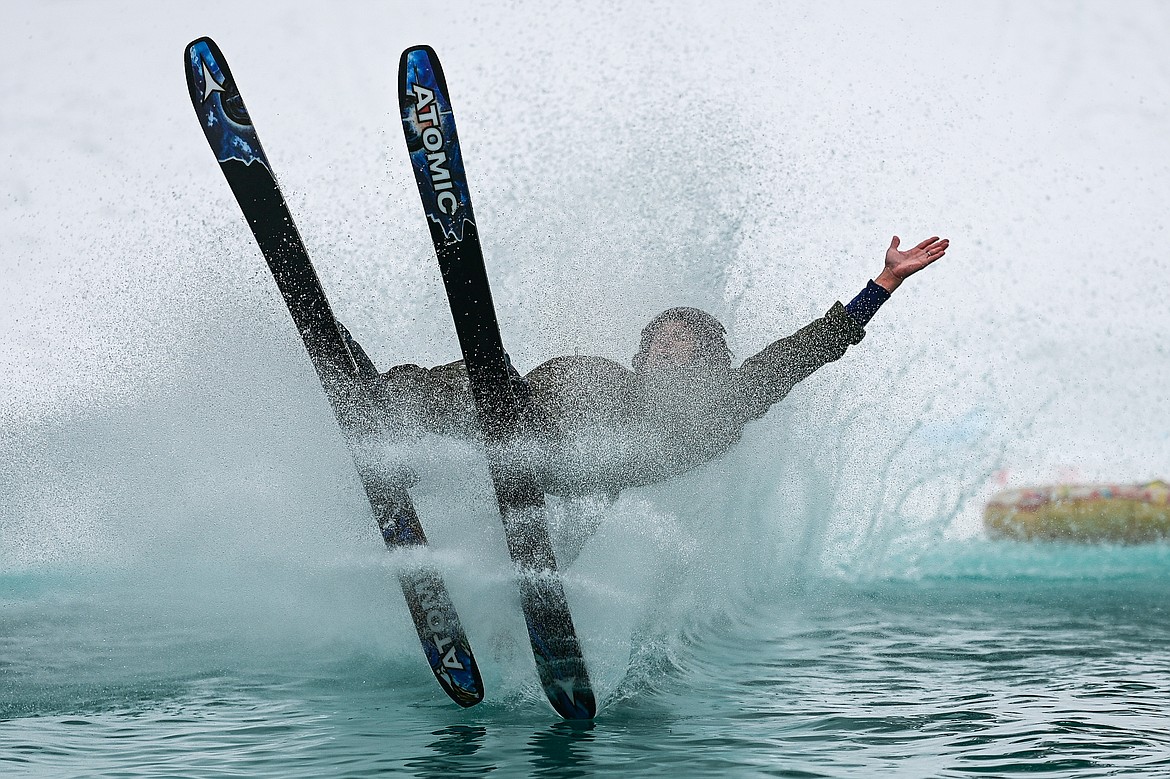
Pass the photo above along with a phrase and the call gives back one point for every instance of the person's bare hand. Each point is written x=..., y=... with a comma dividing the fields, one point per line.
x=901, y=265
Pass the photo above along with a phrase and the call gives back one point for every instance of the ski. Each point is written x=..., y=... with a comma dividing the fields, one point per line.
x=236, y=145
x=429, y=124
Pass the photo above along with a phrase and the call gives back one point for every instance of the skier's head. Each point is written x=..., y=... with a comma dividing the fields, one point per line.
x=683, y=338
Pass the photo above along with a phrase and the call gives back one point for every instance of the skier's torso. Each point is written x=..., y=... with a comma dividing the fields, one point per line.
x=591, y=425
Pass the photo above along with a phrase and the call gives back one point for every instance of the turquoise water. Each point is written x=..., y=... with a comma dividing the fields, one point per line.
x=1027, y=670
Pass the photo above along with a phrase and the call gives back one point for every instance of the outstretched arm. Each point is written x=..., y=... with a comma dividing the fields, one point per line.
x=768, y=376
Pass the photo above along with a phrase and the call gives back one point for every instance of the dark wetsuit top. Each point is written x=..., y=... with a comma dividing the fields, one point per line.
x=594, y=426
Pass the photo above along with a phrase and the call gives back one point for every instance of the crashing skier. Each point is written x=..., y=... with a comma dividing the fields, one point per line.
x=595, y=427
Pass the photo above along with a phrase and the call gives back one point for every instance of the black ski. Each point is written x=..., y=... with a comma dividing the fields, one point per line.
x=429, y=124
x=236, y=146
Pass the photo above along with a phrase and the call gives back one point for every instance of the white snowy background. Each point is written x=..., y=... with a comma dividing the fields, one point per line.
x=751, y=158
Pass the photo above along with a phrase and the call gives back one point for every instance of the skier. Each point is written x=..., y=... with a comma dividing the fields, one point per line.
x=592, y=427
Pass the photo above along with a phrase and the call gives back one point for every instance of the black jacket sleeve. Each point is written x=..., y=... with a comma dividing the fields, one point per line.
x=770, y=375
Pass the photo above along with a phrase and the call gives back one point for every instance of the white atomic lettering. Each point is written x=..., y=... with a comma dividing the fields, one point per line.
x=427, y=113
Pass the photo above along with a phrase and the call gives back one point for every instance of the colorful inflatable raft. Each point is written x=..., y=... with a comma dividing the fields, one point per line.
x=1086, y=513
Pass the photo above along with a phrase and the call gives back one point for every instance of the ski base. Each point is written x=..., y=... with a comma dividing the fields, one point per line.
x=433, y=143
x=236, y=145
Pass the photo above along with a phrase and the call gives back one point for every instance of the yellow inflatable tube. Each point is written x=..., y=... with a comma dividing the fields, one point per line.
x=1082, y=513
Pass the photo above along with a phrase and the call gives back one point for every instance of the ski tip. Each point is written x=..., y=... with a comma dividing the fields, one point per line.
x=447, y=651
x=424, y=57
x=200, y=54
x=191, y=51
x=203, y=39
x=567, y=687
x=420, y=50
x=443, y=641
x=455, y=669
x=574, y=704
x=467, y=694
